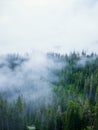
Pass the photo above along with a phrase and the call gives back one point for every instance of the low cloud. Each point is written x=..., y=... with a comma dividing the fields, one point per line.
x=29, y=76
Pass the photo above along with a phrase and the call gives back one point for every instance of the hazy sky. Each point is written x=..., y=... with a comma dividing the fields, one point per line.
x=48, y=25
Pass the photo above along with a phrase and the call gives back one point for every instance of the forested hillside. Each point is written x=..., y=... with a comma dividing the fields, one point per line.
x=57, y=92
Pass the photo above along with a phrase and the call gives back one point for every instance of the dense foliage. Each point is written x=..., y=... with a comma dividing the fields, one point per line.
x=74, y=104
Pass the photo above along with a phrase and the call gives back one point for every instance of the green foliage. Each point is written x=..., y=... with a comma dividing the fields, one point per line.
x=73, y=116
x=75, y=101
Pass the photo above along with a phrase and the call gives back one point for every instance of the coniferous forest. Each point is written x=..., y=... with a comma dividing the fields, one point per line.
x=58, y=93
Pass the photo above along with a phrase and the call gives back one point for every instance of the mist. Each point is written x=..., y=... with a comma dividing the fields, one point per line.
x=32, y=75
x=29, y=76
x=84, y=60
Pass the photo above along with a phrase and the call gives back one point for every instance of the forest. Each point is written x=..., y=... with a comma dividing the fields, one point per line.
x=51, y=92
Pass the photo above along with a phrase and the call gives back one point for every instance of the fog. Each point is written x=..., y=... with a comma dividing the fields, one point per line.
x=29, y=76
x=84, y=60
x=32, y=75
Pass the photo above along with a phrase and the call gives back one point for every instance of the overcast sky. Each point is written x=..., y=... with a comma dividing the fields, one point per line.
x=48, y=25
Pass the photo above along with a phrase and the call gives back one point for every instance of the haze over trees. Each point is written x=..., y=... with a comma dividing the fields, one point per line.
x=51, y=92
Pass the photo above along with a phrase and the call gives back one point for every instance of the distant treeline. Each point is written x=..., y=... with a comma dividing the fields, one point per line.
x=74, y=101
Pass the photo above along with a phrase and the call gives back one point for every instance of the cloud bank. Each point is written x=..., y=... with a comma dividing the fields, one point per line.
x=29, y=76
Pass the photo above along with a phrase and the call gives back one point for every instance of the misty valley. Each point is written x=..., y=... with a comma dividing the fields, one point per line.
x=49, y=91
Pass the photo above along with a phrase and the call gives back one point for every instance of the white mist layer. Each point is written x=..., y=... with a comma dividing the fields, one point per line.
x=30, y=79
